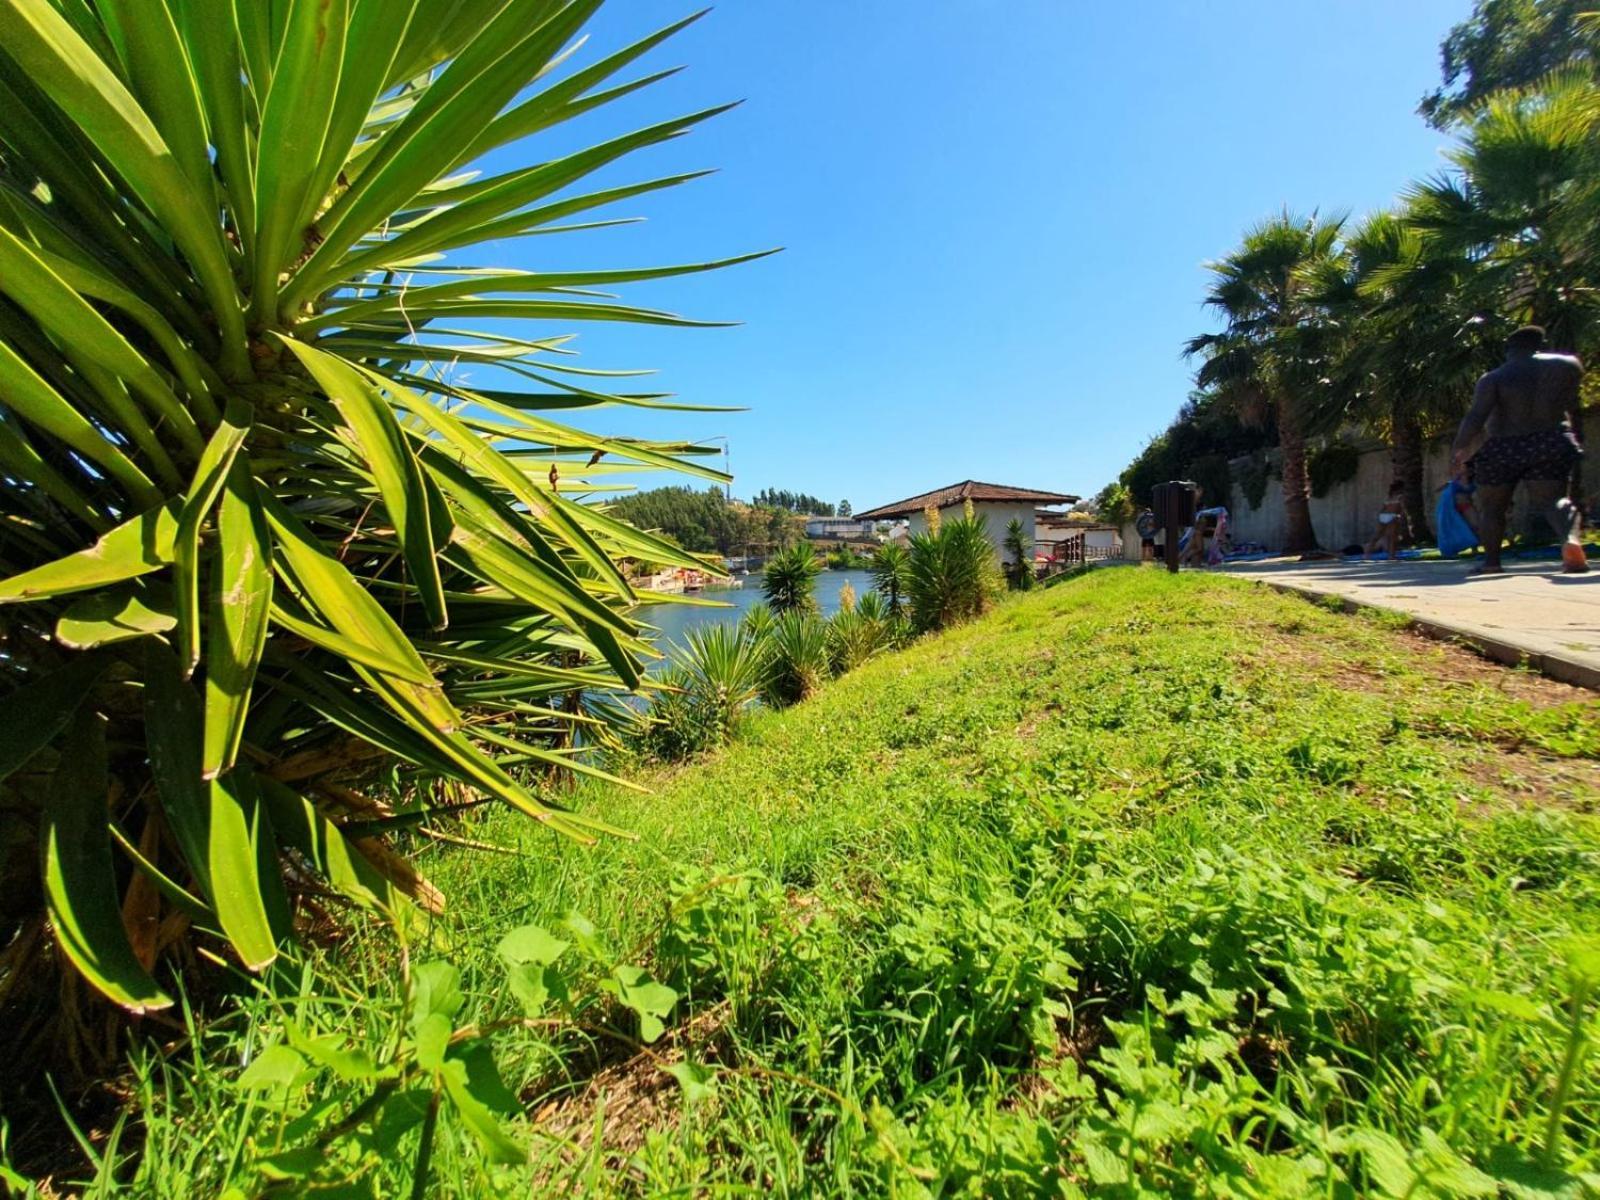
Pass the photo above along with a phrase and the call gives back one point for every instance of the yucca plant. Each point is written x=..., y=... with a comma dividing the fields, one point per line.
x=791, y=579
x=891, y=574
x=723, y=665
x=262, y=536
x=1019, y=545
x=854, y=636
x=758, y=619
x=796, y=658
x=954, y=573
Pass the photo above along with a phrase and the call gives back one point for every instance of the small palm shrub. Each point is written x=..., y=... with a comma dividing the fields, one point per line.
x=896, y=629
x=1020, y=547
x=677, y=727
x=854, y=637
x=724, y=665
x=891, y=575
x=268, y=550
x=791, y=579
x=797, y=663
x=873, y=606
x=954, y=573
x=758, y=620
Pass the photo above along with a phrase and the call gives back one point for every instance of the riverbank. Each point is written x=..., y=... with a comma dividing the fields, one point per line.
x=1137, y=880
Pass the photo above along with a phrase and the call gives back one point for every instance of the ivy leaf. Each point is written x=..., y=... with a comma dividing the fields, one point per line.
x=528, y=953
x=331, y=1051
x=435, y=988
x=650, y=999
x=532, y=944
x=274, y=1069
x=477, y=1115
x=697, y=1080
x=587, y=937
x=432, y=1039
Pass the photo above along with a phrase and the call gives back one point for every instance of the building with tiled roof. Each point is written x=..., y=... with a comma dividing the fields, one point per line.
x=996, y=503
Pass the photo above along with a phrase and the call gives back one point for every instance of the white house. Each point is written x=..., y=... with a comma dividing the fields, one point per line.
x=837, y=527
x=996, y=503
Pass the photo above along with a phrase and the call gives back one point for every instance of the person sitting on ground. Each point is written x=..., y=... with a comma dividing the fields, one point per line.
x=1527, y=411
x=1391, y=522
x=1462, y=489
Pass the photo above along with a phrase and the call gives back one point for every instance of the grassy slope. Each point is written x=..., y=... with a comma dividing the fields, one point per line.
x=1176, y=883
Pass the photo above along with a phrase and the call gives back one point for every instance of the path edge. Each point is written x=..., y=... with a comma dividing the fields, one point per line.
x=1553, y=666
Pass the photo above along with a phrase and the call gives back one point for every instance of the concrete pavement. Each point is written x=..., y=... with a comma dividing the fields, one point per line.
x=1530, y=614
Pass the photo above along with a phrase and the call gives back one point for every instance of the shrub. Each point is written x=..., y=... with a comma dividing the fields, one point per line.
x=714, y=677
x=758, y=620
x=954, y=574
x=1253, y=477
x=853, y=638
x=891, y=575
x=791, y=579
x=272, y=541
x=1020, y=546
x=797, y=658
x=1331, y=465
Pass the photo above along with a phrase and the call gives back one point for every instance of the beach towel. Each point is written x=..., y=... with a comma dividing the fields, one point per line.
x=1455, y=535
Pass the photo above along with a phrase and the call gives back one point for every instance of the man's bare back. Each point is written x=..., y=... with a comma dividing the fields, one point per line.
x=1524, y=395
x=1524, y=429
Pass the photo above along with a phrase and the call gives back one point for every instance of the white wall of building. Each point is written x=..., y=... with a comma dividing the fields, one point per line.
x=998, y=517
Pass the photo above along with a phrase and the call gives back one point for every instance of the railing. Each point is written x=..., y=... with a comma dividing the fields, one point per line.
x=1073, y=553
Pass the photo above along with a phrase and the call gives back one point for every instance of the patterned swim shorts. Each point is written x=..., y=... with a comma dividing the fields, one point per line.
x=1540, y=457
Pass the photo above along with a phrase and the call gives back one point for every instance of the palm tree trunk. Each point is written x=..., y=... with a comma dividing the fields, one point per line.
x=1299, y=536
x=1405, y=456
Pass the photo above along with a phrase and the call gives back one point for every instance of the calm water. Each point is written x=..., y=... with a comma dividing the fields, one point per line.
x=676, y=619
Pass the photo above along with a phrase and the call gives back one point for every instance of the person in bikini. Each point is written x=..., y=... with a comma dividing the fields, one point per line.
x=1526, y=411
x=1391, y=521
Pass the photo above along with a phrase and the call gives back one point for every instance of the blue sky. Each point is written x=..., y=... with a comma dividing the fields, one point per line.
x=995, y=215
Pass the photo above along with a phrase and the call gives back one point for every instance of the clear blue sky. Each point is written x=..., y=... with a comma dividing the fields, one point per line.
x=995, y=215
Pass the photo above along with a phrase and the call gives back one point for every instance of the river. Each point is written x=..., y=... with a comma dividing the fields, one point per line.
x=674, y=620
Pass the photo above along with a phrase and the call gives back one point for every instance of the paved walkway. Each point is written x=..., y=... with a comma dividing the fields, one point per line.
x=1532, y=613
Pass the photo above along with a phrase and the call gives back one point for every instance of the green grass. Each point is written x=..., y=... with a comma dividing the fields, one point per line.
x=1139, y=886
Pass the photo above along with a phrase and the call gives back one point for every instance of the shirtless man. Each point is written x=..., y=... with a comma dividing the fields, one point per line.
x=1527, y=409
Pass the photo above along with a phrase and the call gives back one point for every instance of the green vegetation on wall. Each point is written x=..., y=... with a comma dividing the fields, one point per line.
x=1332, y=464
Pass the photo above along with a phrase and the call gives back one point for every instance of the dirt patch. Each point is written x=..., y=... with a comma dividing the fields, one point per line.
x=1522, y=780
x=628, y=1097
x=1444, y=663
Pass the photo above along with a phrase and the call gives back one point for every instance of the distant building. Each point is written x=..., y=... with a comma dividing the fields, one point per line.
x=840, y=528
x=1067, y=535
x=996, y=503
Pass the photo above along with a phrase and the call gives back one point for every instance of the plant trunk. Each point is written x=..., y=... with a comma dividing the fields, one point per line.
x=1299, y=537
x=1405, y=456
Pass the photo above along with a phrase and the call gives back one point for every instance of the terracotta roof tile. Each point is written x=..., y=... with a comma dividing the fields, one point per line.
x=957, y=493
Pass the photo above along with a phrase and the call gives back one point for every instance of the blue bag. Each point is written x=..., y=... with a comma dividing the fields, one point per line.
x=1455, y=535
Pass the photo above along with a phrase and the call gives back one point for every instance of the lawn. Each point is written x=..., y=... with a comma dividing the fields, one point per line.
x=1139, y=886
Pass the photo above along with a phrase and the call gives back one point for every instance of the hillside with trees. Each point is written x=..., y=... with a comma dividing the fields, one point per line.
x=703, y=521
x=795, y=502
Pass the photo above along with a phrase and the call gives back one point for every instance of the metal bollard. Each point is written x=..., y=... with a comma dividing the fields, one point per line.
x=1174, y=504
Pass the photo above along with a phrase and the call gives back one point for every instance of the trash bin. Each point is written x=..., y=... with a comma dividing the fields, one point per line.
x=1174, y=504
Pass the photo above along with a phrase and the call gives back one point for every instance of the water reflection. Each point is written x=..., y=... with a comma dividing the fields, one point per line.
x=674, y=620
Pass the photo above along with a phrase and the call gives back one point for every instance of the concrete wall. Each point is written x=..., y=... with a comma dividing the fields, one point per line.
x=1349, y=512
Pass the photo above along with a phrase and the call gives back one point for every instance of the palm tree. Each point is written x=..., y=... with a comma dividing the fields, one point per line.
x=1410, y=340
x=790, y=579
x=1523, y=204
x=269, y=537
x=1270, y=354
x=891, y=575
x=1019, y=546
